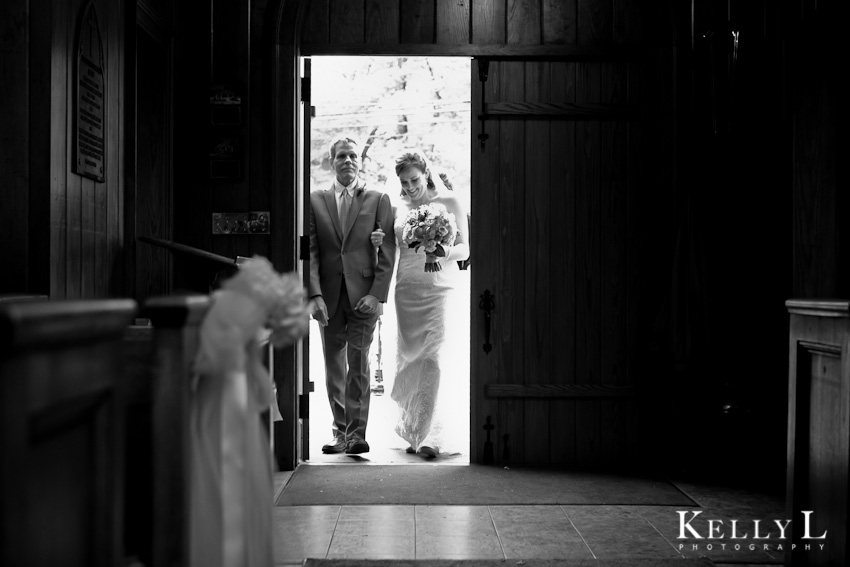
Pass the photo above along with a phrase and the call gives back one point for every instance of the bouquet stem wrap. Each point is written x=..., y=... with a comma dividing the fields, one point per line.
x=431, y=263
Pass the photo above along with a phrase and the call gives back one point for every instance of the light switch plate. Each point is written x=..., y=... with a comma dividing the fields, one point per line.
x=255, y=222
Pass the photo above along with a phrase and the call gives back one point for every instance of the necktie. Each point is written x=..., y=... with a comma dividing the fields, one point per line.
x=344, y=207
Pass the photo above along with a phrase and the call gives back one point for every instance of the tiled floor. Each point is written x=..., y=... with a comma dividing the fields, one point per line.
x=523, y=532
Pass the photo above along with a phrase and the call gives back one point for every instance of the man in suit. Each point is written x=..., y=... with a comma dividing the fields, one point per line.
x=349, y=279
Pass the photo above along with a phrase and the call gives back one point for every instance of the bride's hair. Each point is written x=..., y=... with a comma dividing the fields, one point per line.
x=414, y=158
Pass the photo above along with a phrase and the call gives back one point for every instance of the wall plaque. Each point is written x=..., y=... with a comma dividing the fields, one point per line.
x=90, y=100
x=254, y=222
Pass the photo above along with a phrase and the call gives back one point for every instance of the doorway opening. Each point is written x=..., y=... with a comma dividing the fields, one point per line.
x=391, y=104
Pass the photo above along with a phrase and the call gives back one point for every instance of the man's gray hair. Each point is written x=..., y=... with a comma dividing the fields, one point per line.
x=333, y=144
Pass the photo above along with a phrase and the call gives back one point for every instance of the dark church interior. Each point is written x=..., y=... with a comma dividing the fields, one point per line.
x=654, y=216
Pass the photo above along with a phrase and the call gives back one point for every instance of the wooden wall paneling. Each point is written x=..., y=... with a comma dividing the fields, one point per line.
x=614, y=195
x=486, y=203
x=627, y=22
x=88, y=236
x=74, y=205
x=229, y=43
x=88, y=188
x=229, y=53
x=97, y=260
x=523, y=22
x=452, y=22
x=316, y=22
x=113, y=284
x=15, y=158
x=595, y=22
x=346, y=21
x=749, y=16
x=153, y=168
x=510, y=298
x=261, y=186
x=71, y=188
x=128, y=123
x=559, y=21
x=382, y=21
x=192, y=186
x=488, y=22
x=536, y=258
x=33, y=275
x=417, y=21
x=562, y=267
x=817, y=264
x=635, y=326
x=245, y=195
x=588, y=268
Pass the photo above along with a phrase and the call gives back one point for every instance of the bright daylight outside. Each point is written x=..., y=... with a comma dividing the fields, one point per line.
x=391, y=104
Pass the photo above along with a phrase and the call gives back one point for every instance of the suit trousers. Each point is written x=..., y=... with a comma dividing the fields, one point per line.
x=346, y=341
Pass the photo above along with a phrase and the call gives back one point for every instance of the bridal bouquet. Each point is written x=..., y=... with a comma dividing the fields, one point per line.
x=431, y=227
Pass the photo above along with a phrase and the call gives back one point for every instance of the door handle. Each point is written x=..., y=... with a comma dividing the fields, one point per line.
x=487, y=303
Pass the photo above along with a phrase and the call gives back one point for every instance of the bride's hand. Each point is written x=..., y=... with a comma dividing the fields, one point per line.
x=377, y=237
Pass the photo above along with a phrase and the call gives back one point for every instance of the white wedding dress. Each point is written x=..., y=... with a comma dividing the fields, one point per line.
x=431, y=385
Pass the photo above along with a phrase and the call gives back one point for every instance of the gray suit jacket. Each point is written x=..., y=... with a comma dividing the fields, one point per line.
x=335, y=254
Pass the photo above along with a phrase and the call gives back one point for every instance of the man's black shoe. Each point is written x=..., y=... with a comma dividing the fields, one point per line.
x=335, y=446
x=356, y=447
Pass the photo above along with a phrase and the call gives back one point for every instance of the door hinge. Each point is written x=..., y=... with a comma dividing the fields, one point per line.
x=305, y=89
x=304, y=251
x=304, y=406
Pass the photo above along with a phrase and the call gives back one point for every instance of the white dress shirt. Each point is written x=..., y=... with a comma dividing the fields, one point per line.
x=339, y=188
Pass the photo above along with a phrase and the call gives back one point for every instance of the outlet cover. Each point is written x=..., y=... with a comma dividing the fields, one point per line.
x=256, y=222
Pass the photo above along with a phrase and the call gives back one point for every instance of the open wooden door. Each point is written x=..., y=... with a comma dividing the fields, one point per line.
x=303, y=226
x=555, y=209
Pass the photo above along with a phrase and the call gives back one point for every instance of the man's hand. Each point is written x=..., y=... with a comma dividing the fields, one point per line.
x=320, y=310
x=368, y=304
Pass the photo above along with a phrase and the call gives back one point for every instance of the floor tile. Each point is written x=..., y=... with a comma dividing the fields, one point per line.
x=470, y=521
x=387, y=514
x=538, y=532
x=464, y=546
x=544, y=546
x=619, y=531
x=452, y=513
x=519, y=532
x=527, y=514
x=667, y=521
x=303, y=531
x=372, y=547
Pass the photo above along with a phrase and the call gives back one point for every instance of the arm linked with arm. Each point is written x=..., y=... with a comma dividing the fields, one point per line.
x=386, y=251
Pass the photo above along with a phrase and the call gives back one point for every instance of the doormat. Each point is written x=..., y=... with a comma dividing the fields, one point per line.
x=313, y=485
x=673, y=562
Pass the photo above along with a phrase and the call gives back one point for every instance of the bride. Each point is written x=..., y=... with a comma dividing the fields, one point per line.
x=425, y=309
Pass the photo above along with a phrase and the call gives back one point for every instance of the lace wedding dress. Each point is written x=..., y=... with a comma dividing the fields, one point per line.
x=431, y=385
